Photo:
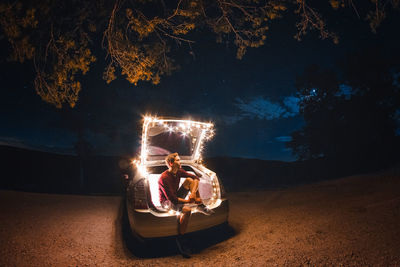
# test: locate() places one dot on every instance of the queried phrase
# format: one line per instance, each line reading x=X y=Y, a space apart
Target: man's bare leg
x=184 y=220
x=193 y=186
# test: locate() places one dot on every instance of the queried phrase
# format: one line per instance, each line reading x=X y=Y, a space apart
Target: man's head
x=173 y=161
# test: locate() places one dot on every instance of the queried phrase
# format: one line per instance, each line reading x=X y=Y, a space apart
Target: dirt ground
x=354 y=221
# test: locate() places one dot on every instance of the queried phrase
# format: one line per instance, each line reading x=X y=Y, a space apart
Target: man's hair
x=170 y=158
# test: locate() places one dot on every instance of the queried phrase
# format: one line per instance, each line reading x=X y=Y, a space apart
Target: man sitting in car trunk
x=175 y=198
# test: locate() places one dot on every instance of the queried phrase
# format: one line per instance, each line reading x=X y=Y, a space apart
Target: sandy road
x=351 y=222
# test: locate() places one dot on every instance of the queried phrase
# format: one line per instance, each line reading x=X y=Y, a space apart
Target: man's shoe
x=182 y=248
x=203 y=209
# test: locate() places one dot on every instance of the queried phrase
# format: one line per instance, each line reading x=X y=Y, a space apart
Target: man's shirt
x=168 y=184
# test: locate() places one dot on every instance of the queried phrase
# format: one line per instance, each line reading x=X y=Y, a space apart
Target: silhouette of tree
x=354 y=127
x=140 y=37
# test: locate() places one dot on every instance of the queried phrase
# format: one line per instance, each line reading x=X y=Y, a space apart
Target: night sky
x=251 y=101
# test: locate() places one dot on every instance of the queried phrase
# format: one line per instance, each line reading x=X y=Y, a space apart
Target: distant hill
x=16 y=143
x=242 y=174
x=36 y=171
x=239 y=174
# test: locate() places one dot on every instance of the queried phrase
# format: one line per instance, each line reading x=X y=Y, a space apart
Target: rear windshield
x=166 y=143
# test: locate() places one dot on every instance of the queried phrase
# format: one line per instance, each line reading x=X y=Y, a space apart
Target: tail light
x=139 y=195
x=222 y=188
x=216 y=186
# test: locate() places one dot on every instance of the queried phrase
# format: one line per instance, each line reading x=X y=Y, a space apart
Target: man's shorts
x=182 y=192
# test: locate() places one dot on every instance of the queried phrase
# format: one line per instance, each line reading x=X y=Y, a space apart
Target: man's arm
x=186 y=174
x=182 y=200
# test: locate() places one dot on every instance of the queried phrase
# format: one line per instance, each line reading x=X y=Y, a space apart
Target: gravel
x=353 y=221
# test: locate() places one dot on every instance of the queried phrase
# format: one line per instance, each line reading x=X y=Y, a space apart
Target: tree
x=356 y=125
x=140 y=37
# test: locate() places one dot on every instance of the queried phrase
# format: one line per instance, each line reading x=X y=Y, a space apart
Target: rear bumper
x=147 y=225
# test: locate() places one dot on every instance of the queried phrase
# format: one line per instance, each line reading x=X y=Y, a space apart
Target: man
x=175 y=198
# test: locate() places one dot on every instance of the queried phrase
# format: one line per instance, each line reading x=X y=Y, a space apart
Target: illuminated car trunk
x=161 y=137
x=206 y=188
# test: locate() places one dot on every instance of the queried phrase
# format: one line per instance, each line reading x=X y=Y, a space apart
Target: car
x=161 y=137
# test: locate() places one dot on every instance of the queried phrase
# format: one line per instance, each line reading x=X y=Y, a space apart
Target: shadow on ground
x=164 y=247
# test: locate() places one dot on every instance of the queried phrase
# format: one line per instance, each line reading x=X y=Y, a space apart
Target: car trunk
x=205 y=185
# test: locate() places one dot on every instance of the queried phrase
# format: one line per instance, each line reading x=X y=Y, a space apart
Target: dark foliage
x=357 y=127
x=141 y=37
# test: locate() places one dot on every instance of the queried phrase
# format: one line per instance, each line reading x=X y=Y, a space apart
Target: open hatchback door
x=162 y=137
